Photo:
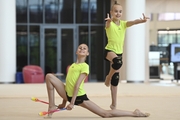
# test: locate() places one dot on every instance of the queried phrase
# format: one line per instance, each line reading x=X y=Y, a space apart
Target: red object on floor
x=86 y=80
x=33 y=74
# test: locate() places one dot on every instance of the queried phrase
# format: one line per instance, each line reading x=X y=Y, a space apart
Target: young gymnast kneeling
x=74 y=92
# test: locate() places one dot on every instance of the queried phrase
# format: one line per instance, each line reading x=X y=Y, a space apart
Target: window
x=35 y=11
x=82 y=9
x=34 y=38
x=21 y=11
x=178 y=36
x=51 y=11
x=66 y=13
x=21 y=40
x=168 y=16
x=165 y=37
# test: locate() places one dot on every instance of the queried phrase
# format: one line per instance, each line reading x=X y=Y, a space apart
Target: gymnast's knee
x=48 y=76
x=115 y=79
x=117 y=63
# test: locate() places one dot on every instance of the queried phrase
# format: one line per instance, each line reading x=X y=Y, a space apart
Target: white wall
x=161 y=6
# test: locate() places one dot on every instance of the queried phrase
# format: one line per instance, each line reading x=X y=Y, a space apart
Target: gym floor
x=160 y=99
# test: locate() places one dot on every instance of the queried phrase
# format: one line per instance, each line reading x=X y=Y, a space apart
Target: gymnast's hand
x=108 y=19
x=70 y=106
x=144 y=19
x=61 y=106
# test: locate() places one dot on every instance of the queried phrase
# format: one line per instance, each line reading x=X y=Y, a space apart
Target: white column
x=7 y=41
x=135 y=42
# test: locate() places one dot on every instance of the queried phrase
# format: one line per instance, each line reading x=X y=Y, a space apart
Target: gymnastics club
x=37 y=100
x=52 y=111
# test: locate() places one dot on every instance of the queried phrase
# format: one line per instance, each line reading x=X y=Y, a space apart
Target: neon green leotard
x=73 y=74
x=115 y=35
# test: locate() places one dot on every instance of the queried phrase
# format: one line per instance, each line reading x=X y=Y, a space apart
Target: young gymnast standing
x=115 y=31
x=73 y=91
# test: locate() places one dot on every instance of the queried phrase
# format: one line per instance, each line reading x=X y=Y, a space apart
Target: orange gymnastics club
x=37 y=100
x=52 y=111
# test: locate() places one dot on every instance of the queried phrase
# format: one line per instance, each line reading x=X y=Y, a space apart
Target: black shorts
x=79 y=99
x=106 y=52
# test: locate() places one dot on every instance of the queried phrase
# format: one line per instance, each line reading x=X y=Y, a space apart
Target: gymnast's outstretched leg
x=91 y=106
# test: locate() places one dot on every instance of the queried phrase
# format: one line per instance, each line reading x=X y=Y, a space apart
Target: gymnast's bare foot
x=113 y=107
x=138 y=113
x=107 y=81
x=50 y=109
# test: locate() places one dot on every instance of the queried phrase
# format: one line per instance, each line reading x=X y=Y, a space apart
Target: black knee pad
x=115 y=79
x=117 y=63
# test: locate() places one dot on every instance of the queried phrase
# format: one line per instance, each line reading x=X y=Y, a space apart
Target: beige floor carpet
x=161 y=100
